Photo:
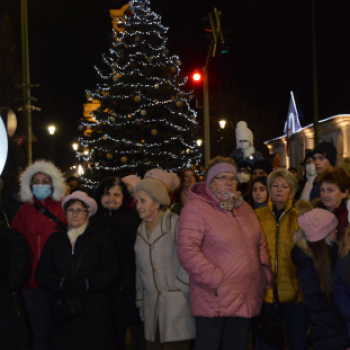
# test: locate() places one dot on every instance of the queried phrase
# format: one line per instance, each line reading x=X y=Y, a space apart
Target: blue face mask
x=42 y=191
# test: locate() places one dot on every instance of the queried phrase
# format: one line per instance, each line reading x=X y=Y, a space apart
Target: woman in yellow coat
x=279 y=221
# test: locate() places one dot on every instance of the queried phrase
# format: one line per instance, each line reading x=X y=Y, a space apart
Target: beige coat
x=162 y=284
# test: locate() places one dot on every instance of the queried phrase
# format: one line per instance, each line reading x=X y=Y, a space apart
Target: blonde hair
x=289 y=177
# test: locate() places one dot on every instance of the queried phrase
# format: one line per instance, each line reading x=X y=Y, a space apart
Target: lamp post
x=222 y=124
x=52 y=129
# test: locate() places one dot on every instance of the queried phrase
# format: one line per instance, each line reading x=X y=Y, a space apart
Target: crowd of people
x=183 y=263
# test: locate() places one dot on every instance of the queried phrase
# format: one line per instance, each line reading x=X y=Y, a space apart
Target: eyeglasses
x=78 y=211
x=225 y=178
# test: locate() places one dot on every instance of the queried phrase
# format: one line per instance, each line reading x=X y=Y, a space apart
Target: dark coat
x=14 y=273
x=342 y=287
x=93 y=327
x=122 y=224
x=316 y=190
x=328 y=326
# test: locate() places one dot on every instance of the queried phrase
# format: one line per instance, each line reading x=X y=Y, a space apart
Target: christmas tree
x=143 y=118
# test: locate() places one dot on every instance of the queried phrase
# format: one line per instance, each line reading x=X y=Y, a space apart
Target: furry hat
x=328 y=150
x=316 y=223
x=170 y=180
x=48 y=168
x=155 y=190
x=83 y=197
x=243 y=133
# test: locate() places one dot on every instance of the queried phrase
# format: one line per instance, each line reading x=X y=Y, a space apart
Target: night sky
x=271 y=54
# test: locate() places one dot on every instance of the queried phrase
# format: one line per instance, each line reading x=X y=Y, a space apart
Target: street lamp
x=52 y=129
x=199 y=142
x=222 y=124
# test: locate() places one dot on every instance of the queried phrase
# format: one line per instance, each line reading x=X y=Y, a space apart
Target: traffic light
x=197 y=77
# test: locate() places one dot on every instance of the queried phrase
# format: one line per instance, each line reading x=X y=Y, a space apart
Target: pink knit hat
x=131 y=180
x=82 y=196
x=317 y=224
x=170 y=180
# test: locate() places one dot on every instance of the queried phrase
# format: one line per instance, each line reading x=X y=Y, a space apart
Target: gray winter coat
x=162 y=284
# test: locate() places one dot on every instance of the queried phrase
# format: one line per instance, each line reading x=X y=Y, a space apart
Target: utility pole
x=315 y=83
x=27 y=98
x=217 y=37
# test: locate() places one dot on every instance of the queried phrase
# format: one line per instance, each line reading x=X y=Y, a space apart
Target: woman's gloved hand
x=75 y=286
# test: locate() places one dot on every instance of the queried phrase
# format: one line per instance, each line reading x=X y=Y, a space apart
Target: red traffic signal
x=197 y=77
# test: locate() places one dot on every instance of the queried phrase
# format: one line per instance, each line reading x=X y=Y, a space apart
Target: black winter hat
x=307 y=156
x=245 y=164
x=264 y=165
x=328 y=150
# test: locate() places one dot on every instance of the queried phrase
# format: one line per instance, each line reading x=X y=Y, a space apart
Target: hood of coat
x=48 y=168
x=299 y=239
x=201 y=191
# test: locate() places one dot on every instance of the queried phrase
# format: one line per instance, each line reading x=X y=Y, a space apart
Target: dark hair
x=323 y=267
x=263 y=180
x=106 y=184
x=337 y=176
x=71 y=202
x=293 y=169
x=73 y=178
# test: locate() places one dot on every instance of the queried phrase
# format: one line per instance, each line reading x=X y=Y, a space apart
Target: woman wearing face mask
x=244 y=176
x=258 y=196
x=223 y=249
x=305 y=186
x=335 y=186
x=42 y=187
x=315 y=256
x=114 y=213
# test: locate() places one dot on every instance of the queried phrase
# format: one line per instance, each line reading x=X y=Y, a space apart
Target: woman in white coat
x=162 y=290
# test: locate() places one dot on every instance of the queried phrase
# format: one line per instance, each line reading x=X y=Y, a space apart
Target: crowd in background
x=183 y=262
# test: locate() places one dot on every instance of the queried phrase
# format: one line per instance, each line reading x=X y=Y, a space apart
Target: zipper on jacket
x=276 y=261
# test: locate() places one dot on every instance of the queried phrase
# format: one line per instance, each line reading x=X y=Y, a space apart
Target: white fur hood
x=41 y=166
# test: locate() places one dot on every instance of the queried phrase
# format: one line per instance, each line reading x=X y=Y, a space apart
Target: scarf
x=228 y=200
x=305 y=195
x=74 y=233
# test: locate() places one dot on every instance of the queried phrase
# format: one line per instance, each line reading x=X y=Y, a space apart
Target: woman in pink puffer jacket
x=223 y=249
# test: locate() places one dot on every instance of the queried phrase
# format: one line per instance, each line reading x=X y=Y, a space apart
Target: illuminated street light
x=75 y=146
x=222 y=123
x=199 y=142
x=51 y=129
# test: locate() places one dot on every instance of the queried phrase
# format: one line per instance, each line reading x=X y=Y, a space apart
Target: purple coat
x=225 y=255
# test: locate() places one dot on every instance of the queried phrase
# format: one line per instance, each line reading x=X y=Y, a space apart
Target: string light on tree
x=143 y=113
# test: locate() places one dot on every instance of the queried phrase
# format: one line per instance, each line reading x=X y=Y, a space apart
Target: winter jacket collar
x=201 y=191
x=288 y=206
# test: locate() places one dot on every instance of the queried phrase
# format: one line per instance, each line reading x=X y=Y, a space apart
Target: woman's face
x=332 y=196
x=189 y=178
x=224 y=182
x=259 y=193
x=146 y=206
x=76 y=215
x=280 y=192
x=41 y=179
x=113 y=199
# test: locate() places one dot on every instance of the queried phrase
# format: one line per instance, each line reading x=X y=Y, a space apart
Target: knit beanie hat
x=317 y=224
x=307 y=156
x=264 y=165
x=328 y=150
x=246 y=164
x=155 y=190
x=243 y=133
x=83 y=197
x=131 y=180
x=170 y=180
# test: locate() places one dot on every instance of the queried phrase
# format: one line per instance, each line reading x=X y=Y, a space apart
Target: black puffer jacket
x=93 y=327
x=14 y=273
x=123 y=224
x=328 y=326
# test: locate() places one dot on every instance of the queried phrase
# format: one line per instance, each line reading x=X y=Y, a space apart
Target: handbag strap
x=41 y=209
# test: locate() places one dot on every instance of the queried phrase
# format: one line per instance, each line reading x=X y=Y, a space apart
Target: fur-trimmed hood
x=299 y=239
x=48 y=168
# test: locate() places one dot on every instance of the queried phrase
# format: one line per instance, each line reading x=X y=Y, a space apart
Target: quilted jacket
x=225 y=255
